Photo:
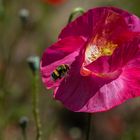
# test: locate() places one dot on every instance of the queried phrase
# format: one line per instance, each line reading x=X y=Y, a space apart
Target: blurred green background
x=21 y=37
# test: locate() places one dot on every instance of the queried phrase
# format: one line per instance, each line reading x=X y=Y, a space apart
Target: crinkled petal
x=84 y=25
x=126 y=52
x=62 y=52
x=132 y=20
x=76 y=90
x=101 y=65
x=92 y=94
x=118 y=91
x=114 y=30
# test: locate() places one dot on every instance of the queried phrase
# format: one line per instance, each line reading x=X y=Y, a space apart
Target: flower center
x=98 y=47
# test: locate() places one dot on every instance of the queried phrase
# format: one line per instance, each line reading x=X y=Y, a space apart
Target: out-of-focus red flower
x=95 y=65
x=54 y=2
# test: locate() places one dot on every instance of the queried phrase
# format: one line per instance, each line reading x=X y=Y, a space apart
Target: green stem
x=1 y=9
x=75 y=11
x=35 y=107
x=24 y=134
x=88 y=126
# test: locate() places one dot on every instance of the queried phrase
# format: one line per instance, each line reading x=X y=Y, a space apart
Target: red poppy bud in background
x=54 y=2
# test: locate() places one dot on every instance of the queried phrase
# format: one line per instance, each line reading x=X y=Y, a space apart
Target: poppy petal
x=131 y=20
x=83 y=25
x=128 y=51
x=76 y=90
x=118 y=91
x=62 y=52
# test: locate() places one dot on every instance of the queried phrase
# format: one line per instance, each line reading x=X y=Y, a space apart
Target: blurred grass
x=17 y=42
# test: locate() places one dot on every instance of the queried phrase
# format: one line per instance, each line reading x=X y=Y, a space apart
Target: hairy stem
x=35 y=107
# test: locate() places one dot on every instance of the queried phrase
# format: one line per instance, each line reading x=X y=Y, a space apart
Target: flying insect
x=60 y=72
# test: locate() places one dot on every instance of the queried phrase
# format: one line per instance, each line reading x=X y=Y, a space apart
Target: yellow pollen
x=97 y=48
x=108 y=49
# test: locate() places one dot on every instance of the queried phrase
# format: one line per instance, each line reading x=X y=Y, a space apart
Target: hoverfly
x=60 y=72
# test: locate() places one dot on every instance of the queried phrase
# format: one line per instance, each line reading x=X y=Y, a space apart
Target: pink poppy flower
x=102 y=50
